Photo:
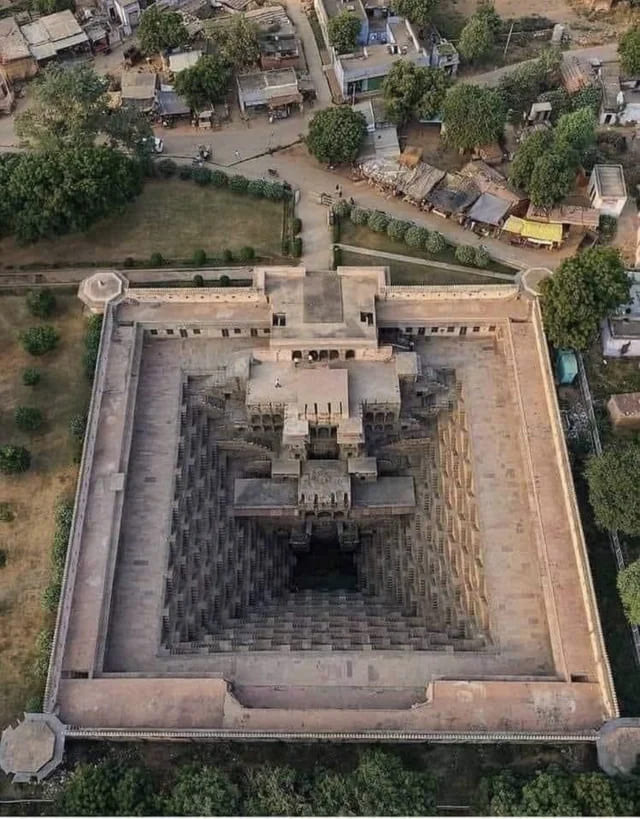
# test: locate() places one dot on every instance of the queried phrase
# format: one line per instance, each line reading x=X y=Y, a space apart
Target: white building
x=607 y=189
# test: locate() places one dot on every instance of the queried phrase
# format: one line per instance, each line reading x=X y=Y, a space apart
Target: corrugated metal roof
x=489 y=209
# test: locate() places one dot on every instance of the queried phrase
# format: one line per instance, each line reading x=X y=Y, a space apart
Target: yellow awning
x=537 y=231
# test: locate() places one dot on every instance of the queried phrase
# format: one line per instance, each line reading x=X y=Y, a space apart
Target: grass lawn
x=62 y=392
x=171 y=217
x=361 y=236
x=404 y=273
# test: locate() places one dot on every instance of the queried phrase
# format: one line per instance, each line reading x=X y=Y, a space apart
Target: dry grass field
x=62 y=392
x=170 y=217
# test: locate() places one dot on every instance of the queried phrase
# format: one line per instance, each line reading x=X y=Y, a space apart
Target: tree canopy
x=336 y=134
x=52 y=6
x=107 y=789
x=202 y=791
x=160 y=30
x=629 y=590
x=274 y=790
x=473 y=115
x=476 y=39
x=552 y=178
x=14 y=459
x=413 y=91
x=522 y=86
x=205 y=83
x=344 y=30
x=582 y=291
x=237 y=42
x=629 y=51
x=416 y=11
x=534 y=146
x=576 y=130
x=58 y=192
x=614 y=479
x=69 y=108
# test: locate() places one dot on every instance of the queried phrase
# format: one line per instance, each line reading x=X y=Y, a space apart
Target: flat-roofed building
x=16 y=59
x=608 y=190
x=56 y=36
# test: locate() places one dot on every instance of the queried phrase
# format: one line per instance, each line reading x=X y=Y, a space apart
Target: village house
x=607 y=189
x=16 y=60
x=55 y=36
x=277 y=91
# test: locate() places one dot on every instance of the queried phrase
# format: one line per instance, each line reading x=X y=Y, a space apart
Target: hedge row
x=258 y=188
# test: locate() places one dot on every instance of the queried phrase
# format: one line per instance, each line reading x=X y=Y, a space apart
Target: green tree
x=473 y=115
x=466 y=255
x=576 y=131
x=77 y=426
x=629 y=51
x=614 y=478
x=237 y=42
x=522 y=86
x=39 y=340
x=413 y=91
x=205 y=83
x=344 y=30
x=161 y=30
x=67 y=190
x=487 y=11
x=629 y=590
x=397 y=229
x=41 y=303
x=28 y=419
x=549 y=794
x=107 y=789
x=552 y=178
x=476 y=39
x=14 y=459
x=52 y=6
x=531 y=149
x=382 y=786
x=583 y=291
x=417 y=11
x=481 y=257
x=360 y=216
x=30 y=377
x=435 y=243
x=336 y=134
x=378 y=221
x=499 y=795
x=202 y=791
x=416 y=236
x=92 y=344
x=601 y=795
x=70 y=108
x=274 y=790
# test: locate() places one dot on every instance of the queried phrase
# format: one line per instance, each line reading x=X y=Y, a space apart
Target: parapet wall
x=447 y=293
x=196 y=294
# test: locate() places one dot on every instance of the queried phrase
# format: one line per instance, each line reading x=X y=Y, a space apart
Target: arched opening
x=324 y=355
x=350 y=354
x=333 y=354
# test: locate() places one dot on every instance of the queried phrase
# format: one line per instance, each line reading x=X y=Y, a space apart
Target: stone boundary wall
x=204 y=734
x=447 y=292
x=133 y=369
x=195 y=294
x=579 y=544
x=77 y=526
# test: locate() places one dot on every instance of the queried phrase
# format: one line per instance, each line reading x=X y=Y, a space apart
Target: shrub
x=156 y=260
x=435 y=243
x=337 y=257
x=77 y=426
x=238 y=184
x=14 y=459
x=39 y=340
x=6 y=512
x=33 y=704
x=41 y=303
x=608 y=227
x=201 y=176
x=166 y=168
x=397 y=229
x=227 y=255
x=198 y=281
x=129 y=262
x=256 y=187
x=481 y=257
x=336 y=230
x=246 y=253
x=28 y=419
x=202 y=791
x=360 y=216
x=297 y=226
x=185 y=172
x=219 y=179
x=3 y=558
x=342 y=208
x=274 y=191
x=199 y=258
x=31 y=377
x=225 y=281
x=297 y=247
x=378 y=221
x=416 y=236
x=466 y=255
